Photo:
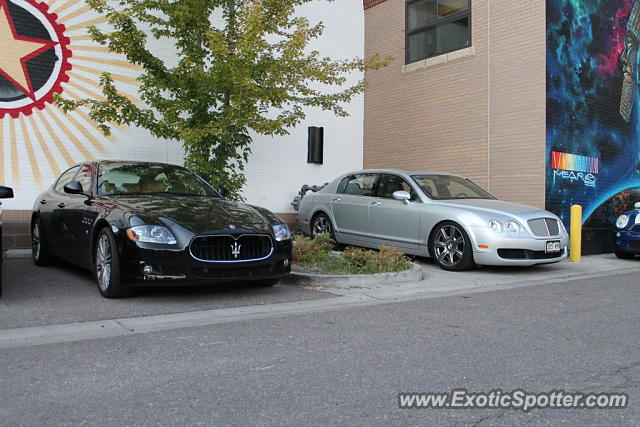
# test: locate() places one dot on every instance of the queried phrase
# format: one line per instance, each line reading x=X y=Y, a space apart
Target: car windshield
x=450 y=187
x=150 y=178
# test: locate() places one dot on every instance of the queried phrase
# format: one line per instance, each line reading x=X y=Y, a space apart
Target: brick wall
x=479 y=112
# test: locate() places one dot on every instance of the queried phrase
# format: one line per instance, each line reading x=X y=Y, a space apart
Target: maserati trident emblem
x=235 y=249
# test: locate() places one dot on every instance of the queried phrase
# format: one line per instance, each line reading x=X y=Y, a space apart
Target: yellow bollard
x=576 y=233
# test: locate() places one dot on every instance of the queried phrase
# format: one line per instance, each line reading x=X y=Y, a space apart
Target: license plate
x=553 y=246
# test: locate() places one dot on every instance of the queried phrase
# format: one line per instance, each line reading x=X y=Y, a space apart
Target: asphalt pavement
x=346 y=366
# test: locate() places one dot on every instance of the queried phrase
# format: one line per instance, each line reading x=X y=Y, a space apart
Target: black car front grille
x=526 y=254
x=231 y=248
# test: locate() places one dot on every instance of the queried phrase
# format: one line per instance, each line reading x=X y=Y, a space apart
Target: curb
x=347 y=281
x=17 y=254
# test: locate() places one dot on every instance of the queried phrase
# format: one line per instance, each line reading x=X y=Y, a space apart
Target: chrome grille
x=231 y=248
x=553 y=227
x=544 y=227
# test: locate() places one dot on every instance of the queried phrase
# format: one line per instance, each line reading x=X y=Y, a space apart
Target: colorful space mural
x=593 y=114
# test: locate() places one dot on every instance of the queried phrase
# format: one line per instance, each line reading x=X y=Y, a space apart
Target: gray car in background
x=443 y=216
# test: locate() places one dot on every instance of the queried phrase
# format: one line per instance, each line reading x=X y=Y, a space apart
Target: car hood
x=198 y=214
x=498 y=207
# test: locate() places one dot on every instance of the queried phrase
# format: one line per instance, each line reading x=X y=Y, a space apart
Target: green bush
x=311 y=251
x=387 y=259
x=315 y=254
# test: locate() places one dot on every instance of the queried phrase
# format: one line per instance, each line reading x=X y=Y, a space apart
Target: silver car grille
x=231 y=248
x=544 y=227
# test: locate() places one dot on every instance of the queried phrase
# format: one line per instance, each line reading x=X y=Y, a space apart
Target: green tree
x=241 y=66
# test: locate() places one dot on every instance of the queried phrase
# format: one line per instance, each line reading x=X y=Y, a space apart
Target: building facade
x=524 y=97
x=46 y=51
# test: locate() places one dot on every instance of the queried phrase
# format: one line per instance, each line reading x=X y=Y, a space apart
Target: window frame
x=436 y=23
x=414 y=193
x=348 y=178
x=55 y=186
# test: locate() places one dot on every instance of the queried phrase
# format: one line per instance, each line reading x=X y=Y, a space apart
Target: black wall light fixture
x=316 y=145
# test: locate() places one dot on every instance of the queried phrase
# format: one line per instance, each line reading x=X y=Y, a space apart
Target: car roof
x=403 y=171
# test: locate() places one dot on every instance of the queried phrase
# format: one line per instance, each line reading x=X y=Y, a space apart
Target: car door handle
x=337 y=199
x=61 y=205
x=43 y=202
x=376 y=203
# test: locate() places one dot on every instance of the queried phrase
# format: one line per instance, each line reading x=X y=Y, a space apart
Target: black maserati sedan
x=137 y=223
x=5 y=193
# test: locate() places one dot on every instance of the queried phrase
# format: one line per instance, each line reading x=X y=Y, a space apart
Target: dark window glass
x=449 y=7
x=85 y=177
x=343 y=185
x=419 y=12
x=360 y=185
x=450 y=187
x=422 y=45
x=65 y=178
x=151 y=178
x=453 y=36
x=389 y=184
x=435 y=27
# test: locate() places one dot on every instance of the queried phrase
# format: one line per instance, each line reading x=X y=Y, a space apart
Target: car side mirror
x=402 y=195
x=74 y=187
x=6 y=192
x=224 y=192
x=637 y=205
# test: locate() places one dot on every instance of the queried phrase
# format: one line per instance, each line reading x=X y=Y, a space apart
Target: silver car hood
x=497 y=207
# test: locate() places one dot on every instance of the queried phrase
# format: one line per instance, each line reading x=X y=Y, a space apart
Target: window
x=389 y=184
x=435 y=27
x=360 y=185
x=85 y=177
x=450 y=187
x=65 y=178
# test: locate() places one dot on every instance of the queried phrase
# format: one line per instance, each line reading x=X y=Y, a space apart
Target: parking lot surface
x=63 y=293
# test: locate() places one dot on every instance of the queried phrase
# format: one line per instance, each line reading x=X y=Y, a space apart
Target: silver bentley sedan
x=443 y=216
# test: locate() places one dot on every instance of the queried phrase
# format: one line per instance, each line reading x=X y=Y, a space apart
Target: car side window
x=65 y=178
x=360 y=185
x=343 y=185
x=85 y=177
x=389 y=184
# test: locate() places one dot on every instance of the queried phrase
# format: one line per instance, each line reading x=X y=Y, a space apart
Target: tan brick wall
x=482 y=116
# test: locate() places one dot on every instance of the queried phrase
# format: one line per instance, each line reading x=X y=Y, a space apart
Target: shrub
x=311 y=251
x=387 y=259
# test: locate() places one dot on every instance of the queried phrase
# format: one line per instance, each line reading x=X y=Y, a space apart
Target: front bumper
x=515 y=251
x=176 y=267
x=627 y=241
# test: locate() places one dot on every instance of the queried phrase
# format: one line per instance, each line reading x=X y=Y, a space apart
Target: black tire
x=622 y=254
x=265 y=283
x=321 y=224
x=106 y=264
x=450 y=247
x=39 y=246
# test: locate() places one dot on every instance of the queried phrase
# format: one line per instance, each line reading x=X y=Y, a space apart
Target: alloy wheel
x=449 y=245
x=321 y=225
x=103 y=262
x=36 y=242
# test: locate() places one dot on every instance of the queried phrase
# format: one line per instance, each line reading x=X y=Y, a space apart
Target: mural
x=593 y=114
x=46 y=50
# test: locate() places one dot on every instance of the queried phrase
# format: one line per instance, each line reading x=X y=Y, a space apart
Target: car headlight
x=513 y=227
x=281 y=232
x=637 y=219
x=151 y=234
x=496 y=226
x=623 y=221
